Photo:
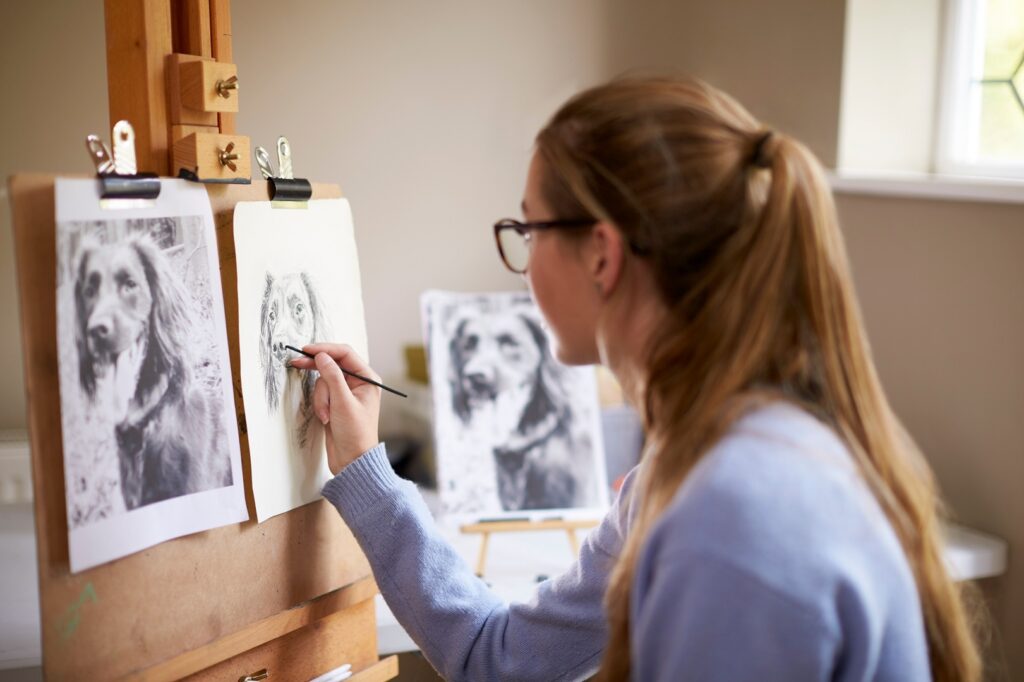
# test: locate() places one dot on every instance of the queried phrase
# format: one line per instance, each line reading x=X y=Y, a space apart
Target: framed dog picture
x=150 y=440
x=298 y=282
x=516 y=431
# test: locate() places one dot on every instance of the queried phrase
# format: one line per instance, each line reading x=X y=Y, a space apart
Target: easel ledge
x=485 y=528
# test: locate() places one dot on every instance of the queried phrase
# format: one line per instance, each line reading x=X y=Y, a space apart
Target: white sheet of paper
x=298 y=282
x=150 y=440
x=517 y=433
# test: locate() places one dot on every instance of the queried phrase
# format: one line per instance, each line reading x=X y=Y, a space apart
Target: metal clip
x=120 y=186
x=253 y=677
x=263 y=161
x=99 y=153
x=225 y=87
x=124 y=148
x=286 y=191
x=284 y=158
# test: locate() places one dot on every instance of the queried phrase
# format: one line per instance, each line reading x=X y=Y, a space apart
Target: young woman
x=781 y=525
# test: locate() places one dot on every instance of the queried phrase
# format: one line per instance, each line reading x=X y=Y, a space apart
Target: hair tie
x=758 y=157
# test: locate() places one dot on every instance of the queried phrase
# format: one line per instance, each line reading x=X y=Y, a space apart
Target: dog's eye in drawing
x=92 y=285
x=272 y=316
x=128 y=285
x=470 y=342
x=510 y=346
x=298 y=311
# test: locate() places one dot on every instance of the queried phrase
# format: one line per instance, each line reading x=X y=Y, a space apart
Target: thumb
x=332 y=374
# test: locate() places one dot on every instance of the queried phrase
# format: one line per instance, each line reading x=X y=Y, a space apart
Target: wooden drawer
x=300 y=643
x=348 y=636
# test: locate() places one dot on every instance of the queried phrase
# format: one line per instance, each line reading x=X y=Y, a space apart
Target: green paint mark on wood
x=68 y=623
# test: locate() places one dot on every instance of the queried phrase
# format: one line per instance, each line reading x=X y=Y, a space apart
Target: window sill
x=927 y=186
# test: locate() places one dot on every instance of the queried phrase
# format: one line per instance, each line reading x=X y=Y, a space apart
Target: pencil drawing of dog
x=500 y=363
x=291 y=314
x=133 y=323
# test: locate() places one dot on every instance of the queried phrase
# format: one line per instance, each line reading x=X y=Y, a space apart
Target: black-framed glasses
x=513 y=238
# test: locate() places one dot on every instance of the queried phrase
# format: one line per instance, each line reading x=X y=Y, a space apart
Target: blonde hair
x=739 y=228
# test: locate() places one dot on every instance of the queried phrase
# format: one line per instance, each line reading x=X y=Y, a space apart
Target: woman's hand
x=348 y=407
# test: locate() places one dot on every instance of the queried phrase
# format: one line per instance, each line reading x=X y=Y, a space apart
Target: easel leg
x=573 y=542
x=481 y=560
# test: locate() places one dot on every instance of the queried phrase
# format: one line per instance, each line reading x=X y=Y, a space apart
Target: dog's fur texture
x=291 y=314
x=502 y=361
x=133 y=323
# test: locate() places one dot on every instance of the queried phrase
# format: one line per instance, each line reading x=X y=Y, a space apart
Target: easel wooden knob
x=485 y=528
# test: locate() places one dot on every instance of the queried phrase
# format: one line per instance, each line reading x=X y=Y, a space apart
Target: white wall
x=54 y=82
x=424 y=113
x=891 y=59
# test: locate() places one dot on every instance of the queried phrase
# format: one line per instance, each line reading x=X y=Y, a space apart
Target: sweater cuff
x=362 y=483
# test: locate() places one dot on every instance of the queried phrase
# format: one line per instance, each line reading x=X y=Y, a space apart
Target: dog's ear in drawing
x=169 y=351
x=271 y=382
x=86 y=362
x=319 y=333
x=548 y=395
x=456 y=380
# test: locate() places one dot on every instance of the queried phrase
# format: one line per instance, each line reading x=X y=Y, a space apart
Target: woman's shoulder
x=780 y=498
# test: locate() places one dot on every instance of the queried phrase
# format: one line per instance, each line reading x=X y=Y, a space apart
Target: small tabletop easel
x=520 y=525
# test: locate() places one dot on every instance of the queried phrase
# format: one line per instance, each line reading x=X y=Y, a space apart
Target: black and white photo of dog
x=135 y=333
x=508 y=399
x=291 y=314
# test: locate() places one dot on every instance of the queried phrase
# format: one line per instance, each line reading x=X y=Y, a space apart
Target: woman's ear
x=605 y=257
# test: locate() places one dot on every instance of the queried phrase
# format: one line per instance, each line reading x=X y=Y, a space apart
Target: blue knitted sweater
x=773 y=562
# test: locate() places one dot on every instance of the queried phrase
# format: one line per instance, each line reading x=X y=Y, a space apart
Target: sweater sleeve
x=466 y=631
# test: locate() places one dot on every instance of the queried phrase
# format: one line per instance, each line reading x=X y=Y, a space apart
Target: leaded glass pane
x=1004 y=37
x=997 y=93
x=1001 y=125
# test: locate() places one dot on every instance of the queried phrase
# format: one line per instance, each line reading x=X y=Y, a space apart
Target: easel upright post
x=138 y=42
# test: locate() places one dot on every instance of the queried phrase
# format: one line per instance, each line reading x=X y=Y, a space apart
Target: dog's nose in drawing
x=280 y=352
x=480 y=384
x=99 y=331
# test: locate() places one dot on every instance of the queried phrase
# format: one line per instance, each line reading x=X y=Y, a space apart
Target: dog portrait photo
x=516 y=430
x=145 y=387
x=298 y=283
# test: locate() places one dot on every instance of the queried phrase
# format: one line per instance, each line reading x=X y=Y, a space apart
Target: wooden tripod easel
x=485 y=528
x=292 y=597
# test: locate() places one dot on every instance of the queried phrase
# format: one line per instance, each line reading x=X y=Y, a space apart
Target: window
x=982 y=90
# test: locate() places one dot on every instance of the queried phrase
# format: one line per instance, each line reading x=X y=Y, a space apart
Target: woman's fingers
x=344 y=356
x=321 y=400
x=335 y=380
x=302 y=362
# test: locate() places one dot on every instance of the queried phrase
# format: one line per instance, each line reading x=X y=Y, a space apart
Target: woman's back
x=774 y=556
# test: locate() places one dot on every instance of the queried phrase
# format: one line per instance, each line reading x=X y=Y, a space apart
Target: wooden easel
x=287 y=599
x=485 y=528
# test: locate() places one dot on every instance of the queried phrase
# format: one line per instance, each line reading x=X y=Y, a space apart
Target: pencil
x=351 y=374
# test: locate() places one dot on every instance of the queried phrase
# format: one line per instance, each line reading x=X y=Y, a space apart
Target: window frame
x=964 y=31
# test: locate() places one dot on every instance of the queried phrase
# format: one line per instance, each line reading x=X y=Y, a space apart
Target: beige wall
x=941 y=286
x=424 y=113
x=782 y=59
x=54 y=83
